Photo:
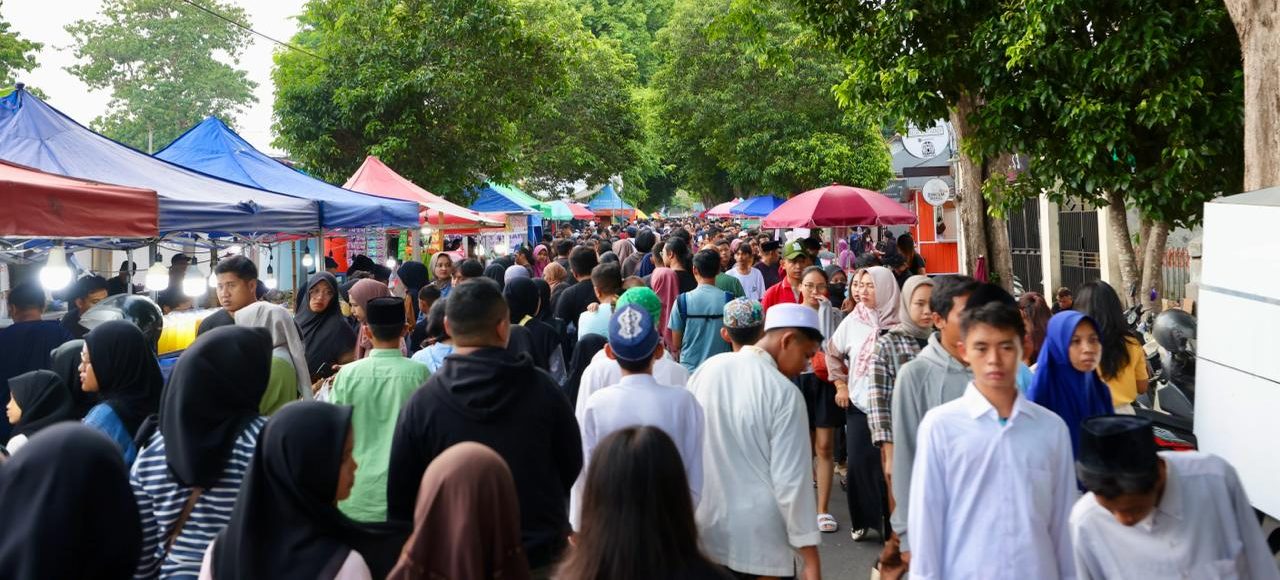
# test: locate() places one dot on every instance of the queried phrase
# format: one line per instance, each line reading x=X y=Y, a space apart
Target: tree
x=164 y=63
x=1257 y=25
x=743 y=125
x=633 y=23
x=1124 y=103
x=16 y=54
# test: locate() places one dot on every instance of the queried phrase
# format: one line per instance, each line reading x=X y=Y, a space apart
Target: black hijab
x=66 y=362
x=522 y=301
x=285 y=523
x=495 y=271
x=44 y=400
x=213 y=394
x=129 y=378
x=544 y=299
x=326 y=335
x=522 y=298
x=67 y=510
x=414 y=275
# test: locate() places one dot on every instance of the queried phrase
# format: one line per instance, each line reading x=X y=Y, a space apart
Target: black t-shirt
x=574 y=301
x=916 y=265
x=687 y=282
x=769 y=273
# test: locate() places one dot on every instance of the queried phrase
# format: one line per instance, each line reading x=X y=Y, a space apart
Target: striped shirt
x=161 y=499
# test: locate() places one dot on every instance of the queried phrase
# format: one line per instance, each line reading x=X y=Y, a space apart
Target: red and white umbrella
x=839 y=206
x=722 y=210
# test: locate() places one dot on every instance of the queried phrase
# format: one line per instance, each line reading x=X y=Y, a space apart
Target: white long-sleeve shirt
x=1202 y=528
x=758 y=504
x=604 y=371
x=991 y=501
x=635 y=401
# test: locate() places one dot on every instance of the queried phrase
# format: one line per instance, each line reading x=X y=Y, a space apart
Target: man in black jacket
x=485 y=394
x=575 y=299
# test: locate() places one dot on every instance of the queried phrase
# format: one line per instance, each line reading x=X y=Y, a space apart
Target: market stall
x=608 y=203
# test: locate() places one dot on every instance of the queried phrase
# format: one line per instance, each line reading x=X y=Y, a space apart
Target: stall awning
x=608 y=202
x=44 y=205
x=375 y=178
x=213 y=148
x=494 y=197
x=36 y=135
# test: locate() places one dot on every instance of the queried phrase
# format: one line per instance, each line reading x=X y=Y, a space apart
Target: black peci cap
x=1117 y=445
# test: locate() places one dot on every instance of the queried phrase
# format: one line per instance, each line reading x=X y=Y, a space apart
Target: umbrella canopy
x=39 y=204
x=213 y=148
x=757 y=206
x=722 y=210
x=581 y=211
x=839 y=206
x=495 y=197
x=375 y=178
x=557 y=210
x=641 y=215
x=36 y=135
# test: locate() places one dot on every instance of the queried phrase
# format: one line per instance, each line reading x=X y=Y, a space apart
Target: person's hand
x=594 y=306
x=848 y=305
x=842 y=394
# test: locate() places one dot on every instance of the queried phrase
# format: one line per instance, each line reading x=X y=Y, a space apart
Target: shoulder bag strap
x=182 y=519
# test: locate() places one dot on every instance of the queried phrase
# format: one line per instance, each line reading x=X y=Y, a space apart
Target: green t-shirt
x=282 y=385
x=730 y=284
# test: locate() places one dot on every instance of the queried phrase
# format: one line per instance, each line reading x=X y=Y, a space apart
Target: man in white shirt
x=638 y=400
x=1166 y=515
x=744 y=270
x=992 y=485
x=758 y=508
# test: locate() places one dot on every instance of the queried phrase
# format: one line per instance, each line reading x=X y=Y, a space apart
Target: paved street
x=841 y=557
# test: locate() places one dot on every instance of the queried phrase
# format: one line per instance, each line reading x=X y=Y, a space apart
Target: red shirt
x=780 y=293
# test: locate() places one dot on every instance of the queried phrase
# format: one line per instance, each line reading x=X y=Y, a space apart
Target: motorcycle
x=1170 y=398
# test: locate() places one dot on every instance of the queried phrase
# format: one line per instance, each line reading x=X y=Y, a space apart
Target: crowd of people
x=668 y=399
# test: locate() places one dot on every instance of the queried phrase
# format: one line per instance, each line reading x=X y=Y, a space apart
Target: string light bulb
x=55 y=275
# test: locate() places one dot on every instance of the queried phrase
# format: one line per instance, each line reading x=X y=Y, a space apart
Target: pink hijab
x=540 y=261
x=883 y=316
x=361 y=293
x=667 y=286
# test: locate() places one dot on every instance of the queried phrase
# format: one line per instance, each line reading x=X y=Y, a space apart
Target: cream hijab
x=284 y=333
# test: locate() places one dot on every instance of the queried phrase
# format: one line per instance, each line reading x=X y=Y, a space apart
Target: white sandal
x=827 y=523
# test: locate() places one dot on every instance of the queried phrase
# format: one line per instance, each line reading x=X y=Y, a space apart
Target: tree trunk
x=1144 y=232
x=1153 y=265
x=968 y=179
x=1258 y=26
x=1000 y=248
x=1130 y=267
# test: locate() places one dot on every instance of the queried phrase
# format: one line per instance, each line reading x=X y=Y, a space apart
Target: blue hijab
x=1059 y=387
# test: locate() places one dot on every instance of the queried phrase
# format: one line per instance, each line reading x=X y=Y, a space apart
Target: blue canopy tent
x=34 y=134
x=608 y=203
x=497 y=198
x=213 y=148
x=757 y=206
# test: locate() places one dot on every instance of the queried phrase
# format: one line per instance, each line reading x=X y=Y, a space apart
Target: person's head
x=637 y=515
x=554 y=273
x=606 y=279
x=706 y=266
x=382 y=273
x=564 y=248
x=361 y=293
x=906 y=245
x=743 y=323
x=524 y=256
x=385 y=323
x=127 y=268
x=89 y=291
x=812 y=246
x=469 y=269
x=916 y=299
x=634 y=340
x=1118 y=463
x=795 y=259
x=659 y=250
x=1085 y=347
x=745 y=256
x=173 y=300
x=676 y=255
x=237 y=283
x=791 y=337
x=645 y=241
x=436 y=331
x=427 y=296
x=1065 y=299
x=991 y=343
x=442 y=266
x=950 y=295
x=178 y=265
x=330 y=265
x=26 y=302
x=726 y=254
x=633 y=282
x=1036 y=315
x=582 y=260
x=813 y=286
x=476 y=315
x=322 y=294
x=1099 y=301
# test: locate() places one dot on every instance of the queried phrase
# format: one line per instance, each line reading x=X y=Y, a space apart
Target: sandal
x=827 y=523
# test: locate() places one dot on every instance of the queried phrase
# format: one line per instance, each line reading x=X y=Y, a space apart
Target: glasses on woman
x=812 y=287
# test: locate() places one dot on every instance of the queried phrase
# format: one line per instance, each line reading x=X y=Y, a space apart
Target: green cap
x=793 y=250
x=644 y=298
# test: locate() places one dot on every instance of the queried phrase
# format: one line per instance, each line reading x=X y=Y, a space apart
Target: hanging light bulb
x=307 y=261
x=55 y=275
x=270 y=280
x=391 y=263
x=157 y=277
x=479 y=250
x=500 y=249
x=193 y=283
x=213 y=279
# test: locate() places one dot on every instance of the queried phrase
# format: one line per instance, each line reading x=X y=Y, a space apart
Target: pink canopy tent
x=839 y=206
x=375 y=178
x=722 y=210
x=580 y=211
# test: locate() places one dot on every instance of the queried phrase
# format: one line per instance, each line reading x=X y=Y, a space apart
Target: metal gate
x=1024 y=244
x=1078 y=239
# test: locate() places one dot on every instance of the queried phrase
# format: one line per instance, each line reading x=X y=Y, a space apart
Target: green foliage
x=163 y=62
x=16 y=54
x=633 y=23
x=742 y=123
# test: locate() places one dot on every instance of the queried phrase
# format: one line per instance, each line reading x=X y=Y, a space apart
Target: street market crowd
x=665 y=399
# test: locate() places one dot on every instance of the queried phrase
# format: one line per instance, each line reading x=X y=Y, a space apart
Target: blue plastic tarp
x=34 y=134
x=492 y=200
x=757 y=206
x=607 y=199
x=212 y=147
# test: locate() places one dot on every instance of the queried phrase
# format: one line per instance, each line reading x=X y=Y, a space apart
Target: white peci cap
x=791 y=316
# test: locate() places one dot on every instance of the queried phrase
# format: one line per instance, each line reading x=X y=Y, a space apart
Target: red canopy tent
x=839 y=206
x=375 y=178
x=581 y=211
x=44 y=205
x=722 y=210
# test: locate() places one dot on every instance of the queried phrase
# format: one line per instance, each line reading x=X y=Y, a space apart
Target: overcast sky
x=43 y=21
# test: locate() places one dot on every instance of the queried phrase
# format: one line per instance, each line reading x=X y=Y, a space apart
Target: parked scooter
x=1170 y=398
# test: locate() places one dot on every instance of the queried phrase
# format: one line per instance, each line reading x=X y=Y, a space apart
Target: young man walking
x=698 y=315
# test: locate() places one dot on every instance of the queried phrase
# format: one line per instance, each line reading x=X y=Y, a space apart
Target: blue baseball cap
x=632 y=335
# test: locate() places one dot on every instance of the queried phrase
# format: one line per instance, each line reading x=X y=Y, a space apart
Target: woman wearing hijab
x=844 y=257
x=442 y=273
x=466 y=524
x=289 y=380
x=666 y=284
x=522 y=304
x=555 y=276
x=514 y=272
x=66 y=509
x=117 y=363
x=1066 y=380
x=850 y=352
x=65 y=360
x=37 y=400
x=623 y=249
x=541 y=257
x=497 y=272
x=361 y=294
x=414 y=276
x=327 y=337
x=286 y=523
x=190 y=471
x=544 y=300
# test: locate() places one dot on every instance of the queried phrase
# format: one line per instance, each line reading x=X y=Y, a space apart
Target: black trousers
x=868 y=498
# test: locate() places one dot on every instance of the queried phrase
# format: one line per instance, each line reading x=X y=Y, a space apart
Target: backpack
x=682 y=306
